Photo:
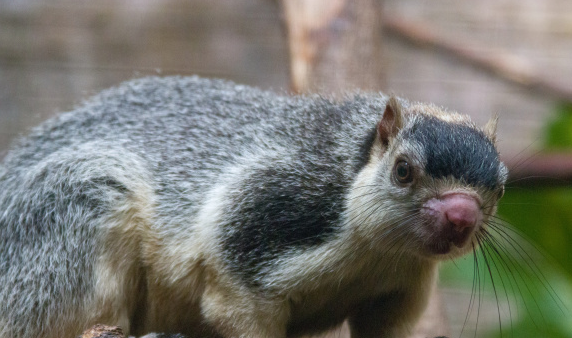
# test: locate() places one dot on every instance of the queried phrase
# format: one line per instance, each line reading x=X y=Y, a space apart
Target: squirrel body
x=201 y=207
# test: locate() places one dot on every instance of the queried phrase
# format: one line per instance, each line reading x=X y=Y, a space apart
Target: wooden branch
x=549 y=169
x=103 y=331
x=506 y=66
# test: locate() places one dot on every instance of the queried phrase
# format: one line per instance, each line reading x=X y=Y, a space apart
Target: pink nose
x=461 y=210
x=454 y=218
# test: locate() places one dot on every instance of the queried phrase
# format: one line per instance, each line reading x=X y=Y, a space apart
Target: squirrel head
x=436 y=177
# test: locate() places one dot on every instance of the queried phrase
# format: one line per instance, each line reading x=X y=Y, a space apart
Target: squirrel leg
x=388 y=317
x=239 y=313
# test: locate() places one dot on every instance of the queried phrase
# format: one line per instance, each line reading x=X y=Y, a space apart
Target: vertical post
x=335 y=47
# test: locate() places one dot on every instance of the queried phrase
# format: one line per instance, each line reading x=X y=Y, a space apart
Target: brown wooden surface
x=502 y=64
x=55 y=53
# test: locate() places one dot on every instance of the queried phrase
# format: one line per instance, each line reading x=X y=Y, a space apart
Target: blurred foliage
x=531 y=278
x=559 y=130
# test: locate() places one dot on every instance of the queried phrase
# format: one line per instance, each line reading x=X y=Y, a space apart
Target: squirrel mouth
x=443 y=244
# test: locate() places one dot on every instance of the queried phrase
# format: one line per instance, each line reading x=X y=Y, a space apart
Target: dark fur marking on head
x=456 y=150
x=281 y=208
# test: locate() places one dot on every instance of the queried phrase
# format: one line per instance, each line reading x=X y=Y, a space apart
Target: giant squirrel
x=205 y=208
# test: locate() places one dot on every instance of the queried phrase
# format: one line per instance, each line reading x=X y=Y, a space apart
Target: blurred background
x=512 y=58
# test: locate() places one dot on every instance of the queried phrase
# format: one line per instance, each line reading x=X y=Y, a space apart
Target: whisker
x=489 y=242
x=517 y=268
x=486 y=254
x=530 y=261
x=473 y=288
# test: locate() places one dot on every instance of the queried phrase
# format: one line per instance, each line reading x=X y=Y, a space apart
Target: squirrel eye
x=403 y=172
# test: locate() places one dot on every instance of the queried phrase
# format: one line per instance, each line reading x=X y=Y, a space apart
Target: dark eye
x=403 y=172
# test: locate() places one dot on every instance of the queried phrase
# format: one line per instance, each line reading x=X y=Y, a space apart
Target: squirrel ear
x=490 y=129
x=391 y=122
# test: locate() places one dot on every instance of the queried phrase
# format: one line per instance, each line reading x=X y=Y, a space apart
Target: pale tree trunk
x=335 y=45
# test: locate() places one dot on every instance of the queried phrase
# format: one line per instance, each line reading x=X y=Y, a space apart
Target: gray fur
x=292 y=159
